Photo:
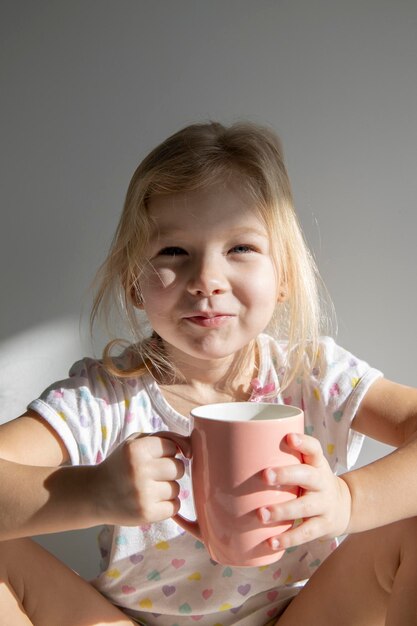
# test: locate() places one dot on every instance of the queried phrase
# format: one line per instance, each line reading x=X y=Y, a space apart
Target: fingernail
x=265 y=514
x=274 y=543
x=296 y=440
x=271 y=476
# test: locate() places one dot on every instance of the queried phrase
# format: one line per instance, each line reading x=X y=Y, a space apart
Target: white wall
x=88 y=87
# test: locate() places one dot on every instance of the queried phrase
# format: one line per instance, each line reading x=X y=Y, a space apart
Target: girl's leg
x=36 y=588
x=370 y=580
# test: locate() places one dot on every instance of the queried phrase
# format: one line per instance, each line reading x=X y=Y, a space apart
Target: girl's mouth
x=210 y=321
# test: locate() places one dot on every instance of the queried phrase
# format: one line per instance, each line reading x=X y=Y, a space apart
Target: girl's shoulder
x=90 y=376
x=327 y=353
x=322 y=367
x=93 y=411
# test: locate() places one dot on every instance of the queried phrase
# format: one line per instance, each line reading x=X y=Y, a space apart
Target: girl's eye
x=171 y=251
x=242 y=249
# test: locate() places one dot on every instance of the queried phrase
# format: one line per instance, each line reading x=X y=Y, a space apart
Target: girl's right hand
x=136 y=484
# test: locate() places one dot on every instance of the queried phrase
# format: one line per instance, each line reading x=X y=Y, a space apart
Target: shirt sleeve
x=332 y=394
x=86 y=410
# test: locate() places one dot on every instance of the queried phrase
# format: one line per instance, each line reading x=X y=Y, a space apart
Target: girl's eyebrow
x=174 y=231
x=166 y=230
x=249 y=230
x=165 y=233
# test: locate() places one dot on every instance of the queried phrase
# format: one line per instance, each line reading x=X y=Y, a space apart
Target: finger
x=159 y=501
x=166 y=490
x=303 y=507
x=153 y=445
x=165 y=509
x=162 y=446
x=307 y=531
x=181 y=442
x=301 y=475
x=308 y=446
x=167 y=469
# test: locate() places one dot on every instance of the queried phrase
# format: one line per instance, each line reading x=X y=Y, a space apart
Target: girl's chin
x=201 y=351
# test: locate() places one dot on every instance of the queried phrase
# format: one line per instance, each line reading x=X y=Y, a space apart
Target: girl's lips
x=214 y=321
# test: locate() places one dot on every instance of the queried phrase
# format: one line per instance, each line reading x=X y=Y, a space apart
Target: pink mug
x=231 y=444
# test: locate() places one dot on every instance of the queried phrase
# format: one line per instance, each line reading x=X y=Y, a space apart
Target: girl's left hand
x=324 y=505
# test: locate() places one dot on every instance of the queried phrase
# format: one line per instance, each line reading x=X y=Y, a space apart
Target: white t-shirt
x=159 y=574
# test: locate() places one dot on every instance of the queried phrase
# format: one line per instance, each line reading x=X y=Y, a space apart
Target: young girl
x=210 y=269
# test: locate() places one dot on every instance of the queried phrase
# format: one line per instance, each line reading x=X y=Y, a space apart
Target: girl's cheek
x=167 y=277
x=159 y=279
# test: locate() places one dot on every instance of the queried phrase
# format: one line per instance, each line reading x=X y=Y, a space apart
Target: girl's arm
x=36 y=497
x=386 y=490
x=134 y=485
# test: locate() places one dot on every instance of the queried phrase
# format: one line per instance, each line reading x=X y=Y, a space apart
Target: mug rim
x=296 y=411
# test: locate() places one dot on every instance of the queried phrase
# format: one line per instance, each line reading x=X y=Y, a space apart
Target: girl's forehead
x=218 y=204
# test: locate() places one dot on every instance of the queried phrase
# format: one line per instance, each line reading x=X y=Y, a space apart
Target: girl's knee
x=407 y=532
x=392 y=545
x=401 y=535
x=393 y=535
x=12 y=588
x=409 y=527
x=17 y=558
x=14 y=550
x=9 y=552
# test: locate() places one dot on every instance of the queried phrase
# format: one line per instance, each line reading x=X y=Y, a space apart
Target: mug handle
x=190 y=526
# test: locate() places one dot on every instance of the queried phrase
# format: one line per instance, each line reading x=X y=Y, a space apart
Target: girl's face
x=210 y=285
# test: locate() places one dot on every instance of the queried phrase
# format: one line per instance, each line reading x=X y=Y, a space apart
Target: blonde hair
x=195 y=157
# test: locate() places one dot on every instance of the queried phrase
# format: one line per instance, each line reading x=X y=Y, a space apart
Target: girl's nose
x=207 y=279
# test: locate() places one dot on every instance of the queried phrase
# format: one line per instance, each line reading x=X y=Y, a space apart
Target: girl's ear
x=283 y=291
x=282 y=295
x=136 y=297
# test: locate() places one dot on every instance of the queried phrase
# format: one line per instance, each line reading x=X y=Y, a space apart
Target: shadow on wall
x=34 y=359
